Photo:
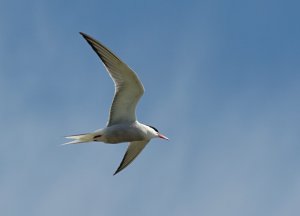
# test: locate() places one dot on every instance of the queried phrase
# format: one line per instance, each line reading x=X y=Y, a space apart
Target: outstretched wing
x=133 y=150
x=128 y=87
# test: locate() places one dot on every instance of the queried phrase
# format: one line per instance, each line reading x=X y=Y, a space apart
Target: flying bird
x=122 y=125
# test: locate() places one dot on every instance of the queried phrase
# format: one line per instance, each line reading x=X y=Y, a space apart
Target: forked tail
x=80 y=138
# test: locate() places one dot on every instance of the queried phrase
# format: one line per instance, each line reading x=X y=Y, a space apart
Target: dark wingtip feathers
x=84 y=35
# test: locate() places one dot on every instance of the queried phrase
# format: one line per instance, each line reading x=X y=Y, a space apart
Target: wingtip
x=120 y=168
x=116 y=172
x=82 y=34
x=87 y=37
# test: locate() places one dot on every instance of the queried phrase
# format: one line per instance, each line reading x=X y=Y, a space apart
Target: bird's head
x=155 y=133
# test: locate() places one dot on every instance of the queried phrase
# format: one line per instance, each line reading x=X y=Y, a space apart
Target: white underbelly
x=118 y=134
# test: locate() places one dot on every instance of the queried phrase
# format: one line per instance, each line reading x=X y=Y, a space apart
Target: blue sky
x=222 y=81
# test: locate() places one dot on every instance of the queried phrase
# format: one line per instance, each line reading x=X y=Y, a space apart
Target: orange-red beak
x=163 y=137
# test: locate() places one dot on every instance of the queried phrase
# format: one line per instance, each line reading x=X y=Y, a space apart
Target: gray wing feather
x=133 y=150
x=128 y=87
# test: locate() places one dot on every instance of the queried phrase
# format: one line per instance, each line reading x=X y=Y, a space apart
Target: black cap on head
x=153 y=128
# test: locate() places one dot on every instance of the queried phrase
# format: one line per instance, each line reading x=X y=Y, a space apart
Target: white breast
x=124 y=133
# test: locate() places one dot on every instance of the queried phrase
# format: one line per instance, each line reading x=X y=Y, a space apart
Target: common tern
x=122 y=125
